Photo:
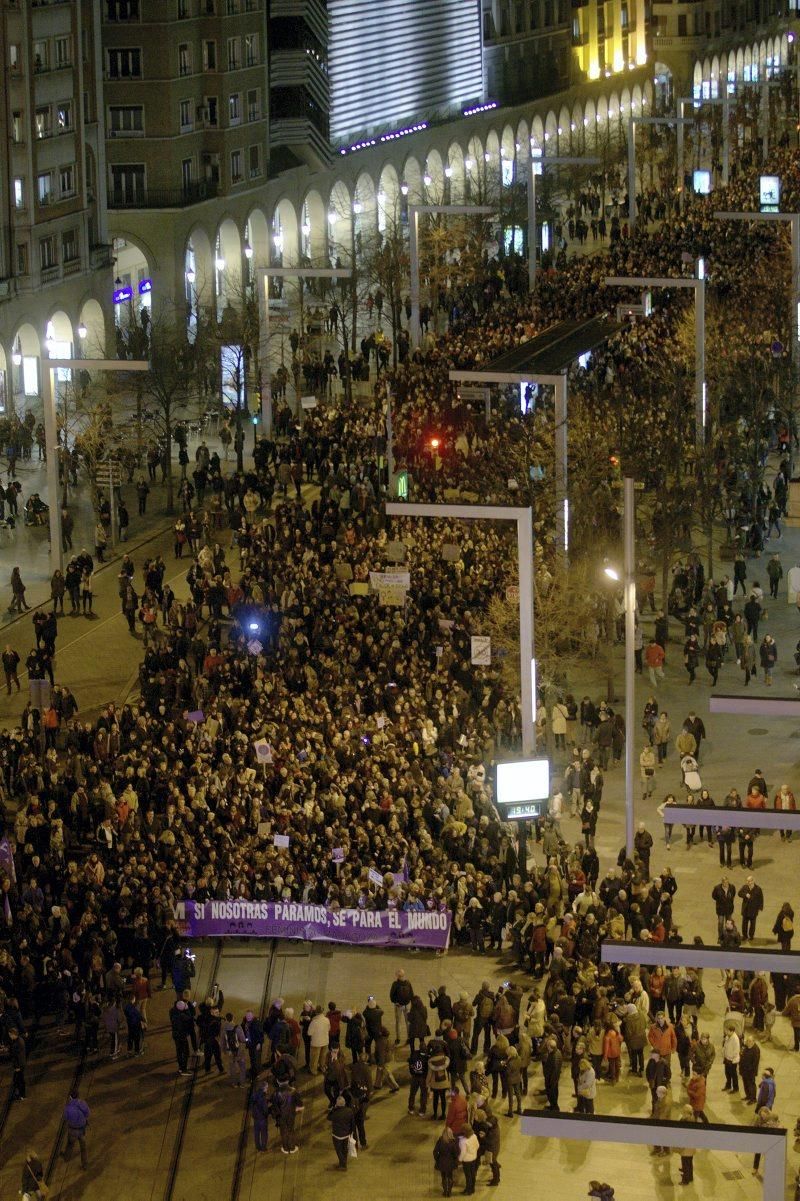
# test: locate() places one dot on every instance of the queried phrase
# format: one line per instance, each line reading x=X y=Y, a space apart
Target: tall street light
x=414 y=210
x=634 y=121
x=724 y=100
x=536 y=167
x=698 y=284
x=50 y=366
x=629 y=586
x=264 y=274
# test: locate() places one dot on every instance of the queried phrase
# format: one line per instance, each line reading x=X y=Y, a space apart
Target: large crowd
x=379 y=731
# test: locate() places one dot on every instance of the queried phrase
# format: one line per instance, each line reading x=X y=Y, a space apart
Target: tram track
x=238 y=1169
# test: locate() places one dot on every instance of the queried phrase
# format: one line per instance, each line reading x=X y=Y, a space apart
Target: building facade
x=157 y=152
x=55 y=256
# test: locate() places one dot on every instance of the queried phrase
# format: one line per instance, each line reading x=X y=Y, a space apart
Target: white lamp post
x=414 y=210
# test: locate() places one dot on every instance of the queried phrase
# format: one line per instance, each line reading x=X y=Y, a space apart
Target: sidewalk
x=29 y=549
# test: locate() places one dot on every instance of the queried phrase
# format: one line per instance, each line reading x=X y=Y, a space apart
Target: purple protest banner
x=313 y=923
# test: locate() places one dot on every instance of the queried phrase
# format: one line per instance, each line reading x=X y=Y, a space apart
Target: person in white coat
x=731 y=1054
x=319 y=1031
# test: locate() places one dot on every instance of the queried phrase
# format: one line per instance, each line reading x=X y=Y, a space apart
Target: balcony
x=163 y=198
x=101 y=256
x=72 y=266
x=8 y=288
x=49 y=275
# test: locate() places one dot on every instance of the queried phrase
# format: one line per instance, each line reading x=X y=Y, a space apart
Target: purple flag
x=7 y=858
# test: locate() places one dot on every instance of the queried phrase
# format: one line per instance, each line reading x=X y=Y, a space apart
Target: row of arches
x=749 y=64
x=79 y=334
x=336 y=221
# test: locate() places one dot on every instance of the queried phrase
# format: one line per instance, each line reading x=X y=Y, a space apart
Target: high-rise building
x=55 y=267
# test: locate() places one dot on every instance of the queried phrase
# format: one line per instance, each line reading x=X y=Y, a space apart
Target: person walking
x=438 y=1078
x=647 y=770
x=586 y=1087
x=286 y=1104
x=18 y=602
x=76 y=1118
x=18 y=1055
x=552 y=1061
x=783 y=927
x=724 y=897
x=11 y=667
x=792 y=1012
x=747 y=659
x=87 y=590
x=768 y=653
x=654 y=661
x=400 y=995
x=33 y=1182
x=691 y=656
x=446 y=1159
x=752 y=899
x=319 y=1032
x=767 y=1090
x=343 y=1129
x=748 y=1068
x=260 y=1111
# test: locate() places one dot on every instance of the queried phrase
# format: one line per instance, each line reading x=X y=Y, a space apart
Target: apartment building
x=55 y=263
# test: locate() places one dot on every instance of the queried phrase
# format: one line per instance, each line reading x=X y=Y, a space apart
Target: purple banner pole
x=314 y=923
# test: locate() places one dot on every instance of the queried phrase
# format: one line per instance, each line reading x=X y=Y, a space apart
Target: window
x=22 y=258
x=254 y=163
x=127 y=183
x=184 y=59
x=236 y=166
x=212 y=110
x=13 y=56
x=681 y=25
x=64 y=116
x=125 y=64
x=43 y=127
x=186 y=114
x=232 y=7
x=623 y=18
x=123 y=10
x=208 y=7
x=183 y=9
x=234 y=54
x=186 y=174
x=209 y=56
x=234 y=109
x=126 y=120
x=69 y=246
x=254 y=105
x=19 y=193
x=66 y=180
x=63 y=52
x=251 y=49
x=44 y=187
x=250 y=6
x=41 y=56
x=47 y=252
x=16 y=127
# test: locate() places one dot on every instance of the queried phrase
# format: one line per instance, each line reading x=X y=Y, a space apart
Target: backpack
x=416 y=1064
x=439 y=1075
x=485 y=1007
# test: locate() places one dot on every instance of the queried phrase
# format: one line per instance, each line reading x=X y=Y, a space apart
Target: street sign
x=512 y=594
x=472 y=392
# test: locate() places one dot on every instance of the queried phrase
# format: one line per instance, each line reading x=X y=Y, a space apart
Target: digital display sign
x=523 y=788
x=769 y=193
x=701 y=182
x=399 y=60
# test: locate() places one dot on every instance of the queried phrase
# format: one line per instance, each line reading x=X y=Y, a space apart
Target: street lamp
x=83 y=332
x=414 y=211
x=536 y=165
x=628 y=488
x=632 y=123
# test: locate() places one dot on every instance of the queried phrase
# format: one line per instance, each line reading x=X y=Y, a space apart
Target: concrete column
x=51 y=442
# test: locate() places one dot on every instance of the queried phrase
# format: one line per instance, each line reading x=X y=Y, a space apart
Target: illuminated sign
x=769 y=193
x=145 y=287
x=392 y=63
x=122 y=294
x=523 y=788
x=701 y=182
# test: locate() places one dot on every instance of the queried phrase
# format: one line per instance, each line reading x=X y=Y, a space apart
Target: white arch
x=92 y=320
x=314 y=229
x=412 y=179
x=340 y=223
x=27 y=373
x=455 y=165
x=389 y=200
x=434 y=177
x=257 y=237
x=285 y=248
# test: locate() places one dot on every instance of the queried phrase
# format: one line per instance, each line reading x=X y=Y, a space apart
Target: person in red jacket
x=696 y=1090
x=456 y=1118
x=661 y=1037
x=612 y=1049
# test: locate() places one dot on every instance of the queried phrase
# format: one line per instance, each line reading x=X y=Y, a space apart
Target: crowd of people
x=379 y=730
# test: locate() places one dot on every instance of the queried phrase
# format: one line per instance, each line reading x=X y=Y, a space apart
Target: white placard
x=375 y=877
x=263 y=751
x=481 y=650
x=308 y=402
x=282 y=841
